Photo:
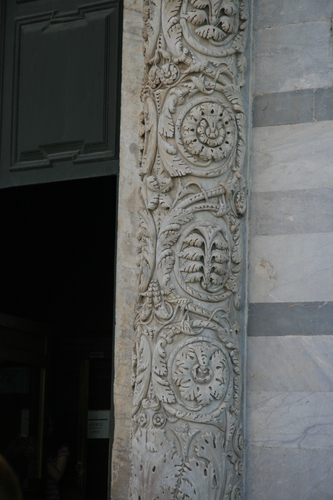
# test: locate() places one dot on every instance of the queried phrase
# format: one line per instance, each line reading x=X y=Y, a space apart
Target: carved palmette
x=187 y=375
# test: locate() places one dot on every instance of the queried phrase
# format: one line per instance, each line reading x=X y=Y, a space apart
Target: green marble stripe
x=285 y=108
x=290 y=318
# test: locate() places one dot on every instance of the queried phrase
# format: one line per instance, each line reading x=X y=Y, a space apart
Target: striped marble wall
x=290 y=324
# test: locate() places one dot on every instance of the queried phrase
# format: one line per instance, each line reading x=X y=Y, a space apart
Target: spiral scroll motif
x=206 y=134
x=208 y=131
x=187 y=363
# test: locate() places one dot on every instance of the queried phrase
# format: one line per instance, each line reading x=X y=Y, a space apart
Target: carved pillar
x=187 y=374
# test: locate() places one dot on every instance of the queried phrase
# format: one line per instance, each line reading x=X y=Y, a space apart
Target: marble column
x=187 y=372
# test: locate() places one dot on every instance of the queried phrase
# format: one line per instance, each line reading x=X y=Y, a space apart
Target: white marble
x=292 y=212
x=290 y=157
x=126 y=289
x=293 y=57
x=292 y=363
x=290 y=420
x=289 y=474
x=291 y=268
x=273 y=12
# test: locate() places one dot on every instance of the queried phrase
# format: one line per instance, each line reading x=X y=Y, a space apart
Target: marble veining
x=292 y=363
x=293 y=57
x=291 y=157
x=291 y=420
x=291 y=268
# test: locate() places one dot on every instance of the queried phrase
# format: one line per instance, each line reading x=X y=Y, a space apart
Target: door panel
x=60 y=85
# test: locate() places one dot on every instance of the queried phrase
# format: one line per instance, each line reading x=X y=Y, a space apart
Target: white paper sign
x=98 y=424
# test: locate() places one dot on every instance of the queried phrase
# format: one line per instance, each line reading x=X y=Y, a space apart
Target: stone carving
x=201 y=373
x=208 y=131
x=187 y=376
x=204 y=258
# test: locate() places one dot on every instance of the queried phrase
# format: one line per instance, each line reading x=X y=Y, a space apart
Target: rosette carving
x=201 y=373
x=199 y=135
x=187 y=374
x=206 y=133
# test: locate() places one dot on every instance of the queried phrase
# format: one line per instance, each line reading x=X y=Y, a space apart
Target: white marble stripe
x=292 y=363
x=289 y=474
x=293 y=57
x=290 y=157
x=269 y=13
x=290 y=212
x=290 y=420
x=291 y=268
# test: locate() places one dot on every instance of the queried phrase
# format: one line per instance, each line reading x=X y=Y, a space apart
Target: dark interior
x=58 y=253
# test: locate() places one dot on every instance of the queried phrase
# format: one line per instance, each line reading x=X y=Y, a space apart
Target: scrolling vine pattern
x=187 y=376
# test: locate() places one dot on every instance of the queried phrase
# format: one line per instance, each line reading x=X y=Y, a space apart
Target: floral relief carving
x=201 y=373
x=187 y=373
x=206 y=134
x=217 y=19
x=205 y=258
x=208 y=131
x=222 y=23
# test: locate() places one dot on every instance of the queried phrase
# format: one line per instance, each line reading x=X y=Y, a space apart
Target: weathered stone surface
x=132 y=73
x=291 y=268
x=283 y=108
x=292 y=157
x=269 y=13
x=290 y=348
x=302 y=420
x=290 y=318
x=299 y=106
x=187 y=374
x=324 y=104
x=290 y=364
x=289 y=474
x=293 y=57
x=292 y=212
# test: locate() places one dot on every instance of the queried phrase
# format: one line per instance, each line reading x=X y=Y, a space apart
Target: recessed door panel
x=60 y=86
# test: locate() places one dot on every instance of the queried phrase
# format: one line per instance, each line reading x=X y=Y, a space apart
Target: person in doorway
x=58 y=455
x=9 y=486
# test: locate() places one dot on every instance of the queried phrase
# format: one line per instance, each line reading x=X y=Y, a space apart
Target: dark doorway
x=57 y=253
x=57 y=256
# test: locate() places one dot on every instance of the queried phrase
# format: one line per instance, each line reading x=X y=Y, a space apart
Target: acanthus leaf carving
x=146 y=249
x=152 y=460
x=187 y=374
x=142 y=374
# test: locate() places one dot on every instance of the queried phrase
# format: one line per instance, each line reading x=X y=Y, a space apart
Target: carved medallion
x=201 y=374
x=206 y=134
